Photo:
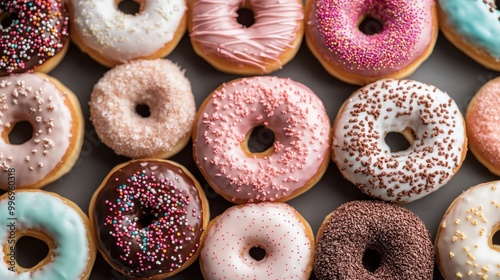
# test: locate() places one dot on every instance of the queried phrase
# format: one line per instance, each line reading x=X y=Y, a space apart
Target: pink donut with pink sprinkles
x=362 y=41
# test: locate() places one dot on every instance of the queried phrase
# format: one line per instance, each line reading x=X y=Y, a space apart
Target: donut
x=464 y=241
x=37 y=38
x=473 y=27
x=56 y=221
x=295 y=161
x=397 y=235
x=482 y=125
x=112 y=37
x=149 y=217
x=274 y=227
x=263 y=47
x=55 y=115
x=162 y=88
x=427 y=116
x=406 y=38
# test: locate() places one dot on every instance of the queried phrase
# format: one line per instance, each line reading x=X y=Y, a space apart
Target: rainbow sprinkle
x=39 y=30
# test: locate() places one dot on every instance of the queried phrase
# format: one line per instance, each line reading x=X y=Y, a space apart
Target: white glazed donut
x=428 y=117
x=56 y=221
x=273 y=226
x=162 y=87
x=464 y=245
x=112 y=37
x=57 y=120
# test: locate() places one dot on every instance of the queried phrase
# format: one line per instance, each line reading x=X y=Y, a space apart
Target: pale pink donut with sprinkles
x=407 y=37
x=277 y=228
x=293 y=164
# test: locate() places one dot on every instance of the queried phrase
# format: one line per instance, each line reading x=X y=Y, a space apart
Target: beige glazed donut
x=55 y=115
x=159 y=85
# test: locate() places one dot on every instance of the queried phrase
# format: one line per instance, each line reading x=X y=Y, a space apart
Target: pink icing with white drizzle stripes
x=276 y=25
x=407 y=32
x=301 y=138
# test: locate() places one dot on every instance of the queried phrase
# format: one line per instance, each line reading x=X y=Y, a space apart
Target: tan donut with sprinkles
x=429 y=119
x=161 y=87
x=482 y=125
x=464 y=242
x=275 y=227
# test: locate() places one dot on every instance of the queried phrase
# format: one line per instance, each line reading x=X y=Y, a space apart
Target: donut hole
x=21 y=133
x=397 y=142
x=30 y=251
x=245 y=17
x=260 y=140
x=7 y=19
x=129 y=7
x=370 y=25
x=495 y=238
x=371 y=259
x=142 y=110
x=145 y=220
x=257 y=253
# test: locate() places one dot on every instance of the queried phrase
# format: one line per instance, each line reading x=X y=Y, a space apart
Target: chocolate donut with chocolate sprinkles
x=396 y=234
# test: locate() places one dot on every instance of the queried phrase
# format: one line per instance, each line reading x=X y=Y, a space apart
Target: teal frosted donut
x=56 y=221
x=473 y=26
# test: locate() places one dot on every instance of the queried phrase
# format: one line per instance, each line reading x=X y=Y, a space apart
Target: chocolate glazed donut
x=396 y=234
x=148 y=217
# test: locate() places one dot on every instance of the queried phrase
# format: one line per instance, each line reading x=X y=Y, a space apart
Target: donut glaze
x=260 y=48
x=482 y=125
x=437 y=136
x=409 y=30
x=473 y=27
x=275 y=227
x=398 y=235
x=464 y=242
x=39 y=30
x=59 y=223
x=161 y=85
x=167 y=195
x=301 y=130
x=56 y=118
x=113 y=37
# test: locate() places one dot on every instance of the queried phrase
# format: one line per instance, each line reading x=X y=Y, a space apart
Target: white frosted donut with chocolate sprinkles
x=159 y=85
x=277 y=228
x=429 y=119
x=464 y=241
x=293 y=164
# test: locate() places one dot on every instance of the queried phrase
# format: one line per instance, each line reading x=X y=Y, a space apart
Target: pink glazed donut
x=276 y=228
x=294 y=162
x=407 y=36
x=263 y=47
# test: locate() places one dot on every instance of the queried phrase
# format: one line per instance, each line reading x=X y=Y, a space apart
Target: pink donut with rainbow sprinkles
x=362 y=41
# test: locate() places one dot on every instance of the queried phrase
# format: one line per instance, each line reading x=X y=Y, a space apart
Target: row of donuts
x=302 y=135
x=149 y=219
x=38 y=35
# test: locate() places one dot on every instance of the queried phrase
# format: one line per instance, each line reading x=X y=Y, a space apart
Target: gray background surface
x=447 y=68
